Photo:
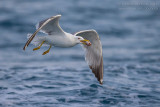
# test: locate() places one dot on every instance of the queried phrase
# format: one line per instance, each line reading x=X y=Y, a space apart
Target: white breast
x=61 y=41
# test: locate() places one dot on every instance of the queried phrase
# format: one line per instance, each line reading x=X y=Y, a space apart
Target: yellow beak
x=86 y=42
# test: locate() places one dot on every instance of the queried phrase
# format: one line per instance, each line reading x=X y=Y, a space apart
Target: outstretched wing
x=93 y=55
x=49 y=26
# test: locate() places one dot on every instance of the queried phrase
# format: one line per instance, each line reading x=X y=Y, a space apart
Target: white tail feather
x=37 y=40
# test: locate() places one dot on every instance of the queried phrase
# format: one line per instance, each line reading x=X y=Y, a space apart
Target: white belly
x=59 y=41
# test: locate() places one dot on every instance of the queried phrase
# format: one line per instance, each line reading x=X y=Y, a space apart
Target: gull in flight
x=89 y=39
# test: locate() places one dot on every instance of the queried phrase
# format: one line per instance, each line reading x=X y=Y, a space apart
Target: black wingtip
x=24 y=48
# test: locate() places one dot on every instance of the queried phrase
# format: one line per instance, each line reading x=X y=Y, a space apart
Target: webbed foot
x=47 y=51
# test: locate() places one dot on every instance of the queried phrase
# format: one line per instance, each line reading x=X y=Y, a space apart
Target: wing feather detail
x=49 y=26
x=93 y=54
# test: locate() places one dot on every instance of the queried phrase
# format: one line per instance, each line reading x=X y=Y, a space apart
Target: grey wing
x=93 y=55
x=49 y=26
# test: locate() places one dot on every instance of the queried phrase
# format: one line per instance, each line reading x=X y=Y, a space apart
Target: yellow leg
x=47 y=50
x=38 y=46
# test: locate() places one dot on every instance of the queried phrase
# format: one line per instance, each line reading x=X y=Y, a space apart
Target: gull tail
x=36 y=40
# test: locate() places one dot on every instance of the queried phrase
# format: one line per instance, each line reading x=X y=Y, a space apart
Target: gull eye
x=79 y=38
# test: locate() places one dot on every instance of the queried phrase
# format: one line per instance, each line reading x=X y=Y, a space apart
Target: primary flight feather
x=59 y=38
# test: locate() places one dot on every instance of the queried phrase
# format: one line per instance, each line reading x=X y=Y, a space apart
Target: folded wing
x=93 y=55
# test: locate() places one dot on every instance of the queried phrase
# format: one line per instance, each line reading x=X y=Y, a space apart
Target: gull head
x=81 y=40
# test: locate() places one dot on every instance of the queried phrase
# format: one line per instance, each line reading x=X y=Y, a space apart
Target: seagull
x=56 y=37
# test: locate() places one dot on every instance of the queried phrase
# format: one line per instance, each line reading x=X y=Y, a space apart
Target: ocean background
x=130 y=36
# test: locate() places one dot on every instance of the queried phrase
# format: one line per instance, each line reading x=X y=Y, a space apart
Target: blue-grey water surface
x=130 y=35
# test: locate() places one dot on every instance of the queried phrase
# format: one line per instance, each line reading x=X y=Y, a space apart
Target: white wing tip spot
x=101 y=81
